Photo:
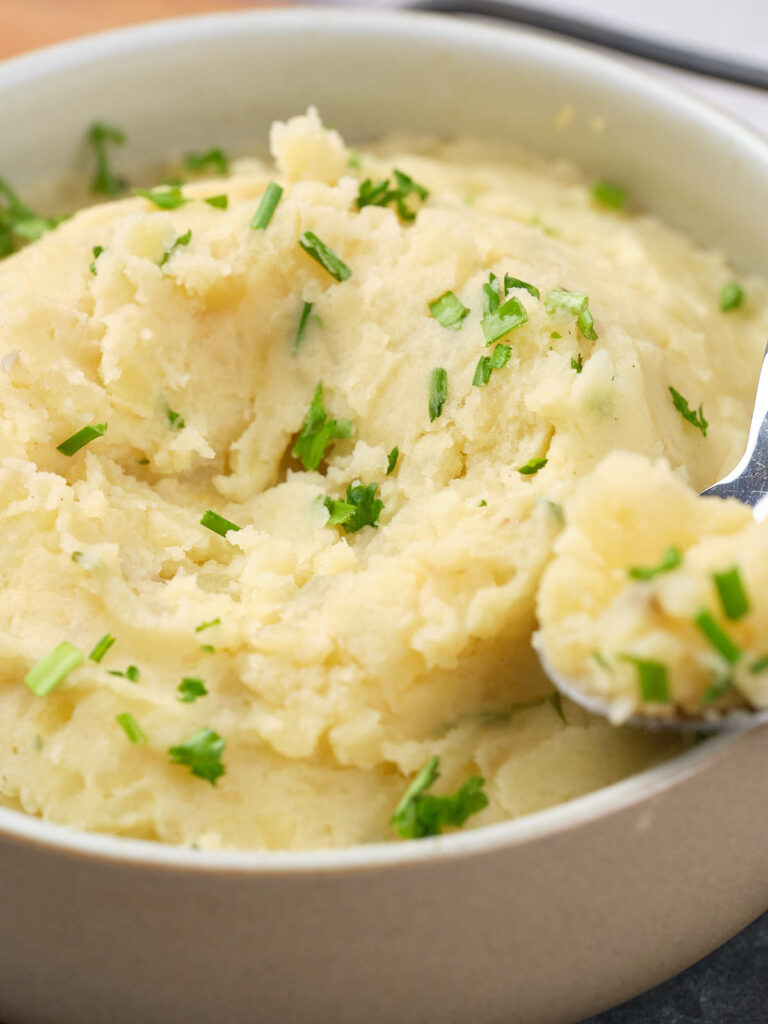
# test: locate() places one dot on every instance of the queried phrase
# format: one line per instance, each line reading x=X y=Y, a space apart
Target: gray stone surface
x=728 y=987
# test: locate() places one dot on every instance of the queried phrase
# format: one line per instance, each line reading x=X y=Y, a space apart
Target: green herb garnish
x=207 y=625
x=53 y=668
x=361 y=508
x=696 y=418
x=97 y=251
x=318 y=431
x=381 y=194
x=499 y=319
x=717 y=690
x=392 y=458
x=515 y=282
x=670 y=560
x=731 y=296
x=175 y=419
x=217 y=202
x=652 y=679
x=718 y=637
x=131 y=728
x=326 y=257
x=201 y=753
x=733 y=596
x=533 y=466
x=421 y=814
x=18 y=222
x=267 y=206
x=760 y=665
x=438 y=392
x=190 y=689
x=102 y=647
x=213 y=521
x=81 y=438
x=608 y=194
x=214 y=159
x=576 y=303
x=105 y=182
x=169 y=198
x=577 y=364
x=448 y=311
x=306 y=309
x=132 y=674
x=179 y=241
x=206 y=648
x=487 y=364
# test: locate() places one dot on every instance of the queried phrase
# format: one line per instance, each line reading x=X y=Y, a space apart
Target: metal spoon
x=749 y=483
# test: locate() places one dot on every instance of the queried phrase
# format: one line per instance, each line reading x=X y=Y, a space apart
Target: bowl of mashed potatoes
x=340 y=354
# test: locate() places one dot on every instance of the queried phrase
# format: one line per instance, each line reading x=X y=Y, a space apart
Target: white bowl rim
x=620 y=796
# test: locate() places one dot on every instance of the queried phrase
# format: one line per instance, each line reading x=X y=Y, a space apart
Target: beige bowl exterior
x=539 y=921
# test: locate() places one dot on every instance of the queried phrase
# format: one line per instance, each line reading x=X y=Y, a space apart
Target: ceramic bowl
x=540 y=921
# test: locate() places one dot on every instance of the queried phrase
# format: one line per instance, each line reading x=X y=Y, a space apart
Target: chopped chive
x=379 y=193
x=718 y=637
x=487 y=364
x=652 y=679
x=482 y=503
x=213 y=521
x=731 y=296
x=533 y=466
x=179 y=241
x=306 y=309
x=717 y=690
x=132 y=674
x=326 y=257
x=502 y=320
x=208 y=624
x=599 y=658
x=555 y=335
x=760 y=665
x=131 y=728
x=577 y=303
x=577 y=364
x=169 y=198
x=733 y=596
x=53 y=668
x=392 y=458
x=102 y=647
x=670 y=560
x=190 y=689
x=81 y=438
x=448 y=311
x=438 y=392
x=104 y=182
x=608 y=194
x=267 y=206
x=201 y=753
x=207 y=648
x=214 y=159
x=175 y=420
x=218 y=202
x=695 y=418
x=97 y=251
x=515 y=282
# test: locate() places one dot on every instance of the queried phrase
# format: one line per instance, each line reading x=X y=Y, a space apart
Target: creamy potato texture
x=338 y=662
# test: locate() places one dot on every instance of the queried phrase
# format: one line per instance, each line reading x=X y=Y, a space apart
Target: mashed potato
x=335 y=661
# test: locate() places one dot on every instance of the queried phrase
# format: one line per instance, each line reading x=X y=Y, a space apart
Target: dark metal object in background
x=590 y=32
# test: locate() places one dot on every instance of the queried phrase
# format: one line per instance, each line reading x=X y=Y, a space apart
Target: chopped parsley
x=97 y=251
x=718 y=637
x=577 y=364
x=220 y=202
x=317 y=432
x=19 y=223
x=326 y=257
x=213 y=521
x=132 y=674
x=717 y=690
x=361 y=508
x=81 y=438
x=392 y=458
x=214 y=159
x=47 y=673
x=131 y=728
x=438 y=392
x=515 y=282
x=652 y=679
x=175 y=420
x=731 y=296
x=102 y=647
x=168 y=198
x=105 y=182
x=201 y=753
x=190 y=689
x=499 y=318
x=608 y=194
x=733 y=596
x=487 y=364
x=267 y=206
x=301 y=330
x=557 y=334
x=670 y=560
x=421 y=814
x=382 y=194
x=448 y=311
x=177 y=243
x=695 y=418
x=576 y=303
x=533 y=466
x=208 y=624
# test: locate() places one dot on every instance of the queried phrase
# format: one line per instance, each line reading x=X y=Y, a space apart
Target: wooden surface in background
x=27 y=24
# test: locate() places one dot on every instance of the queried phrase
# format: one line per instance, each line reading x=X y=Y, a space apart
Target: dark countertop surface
x=728 y=987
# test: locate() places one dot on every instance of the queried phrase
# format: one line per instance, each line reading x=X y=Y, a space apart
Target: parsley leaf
x=326 y=257
x=671 y=559
x=731 y=296
x=577 y=364
x=169 y=198
x=81 y=438
x=214 y=159
x=533 y=466
x=577 y=303
x=105 y=182
x=499 y=319
x=190 y=689
x=392 y=458
x=438 y=392
x=421 y=814
x=180 y=240
x=131 y=728
x=361 y=508
x=382 y=194
x=695 y=418
x=318 y=431
x=201 y=753
x=733 y=596
x=53 y=668
x=487 y=364
x=608 y=194
x=18 y=222
x=97 y=251
x=448 y=311
x=175 y=420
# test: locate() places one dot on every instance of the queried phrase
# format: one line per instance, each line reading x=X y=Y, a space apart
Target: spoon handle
x=749 y=480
